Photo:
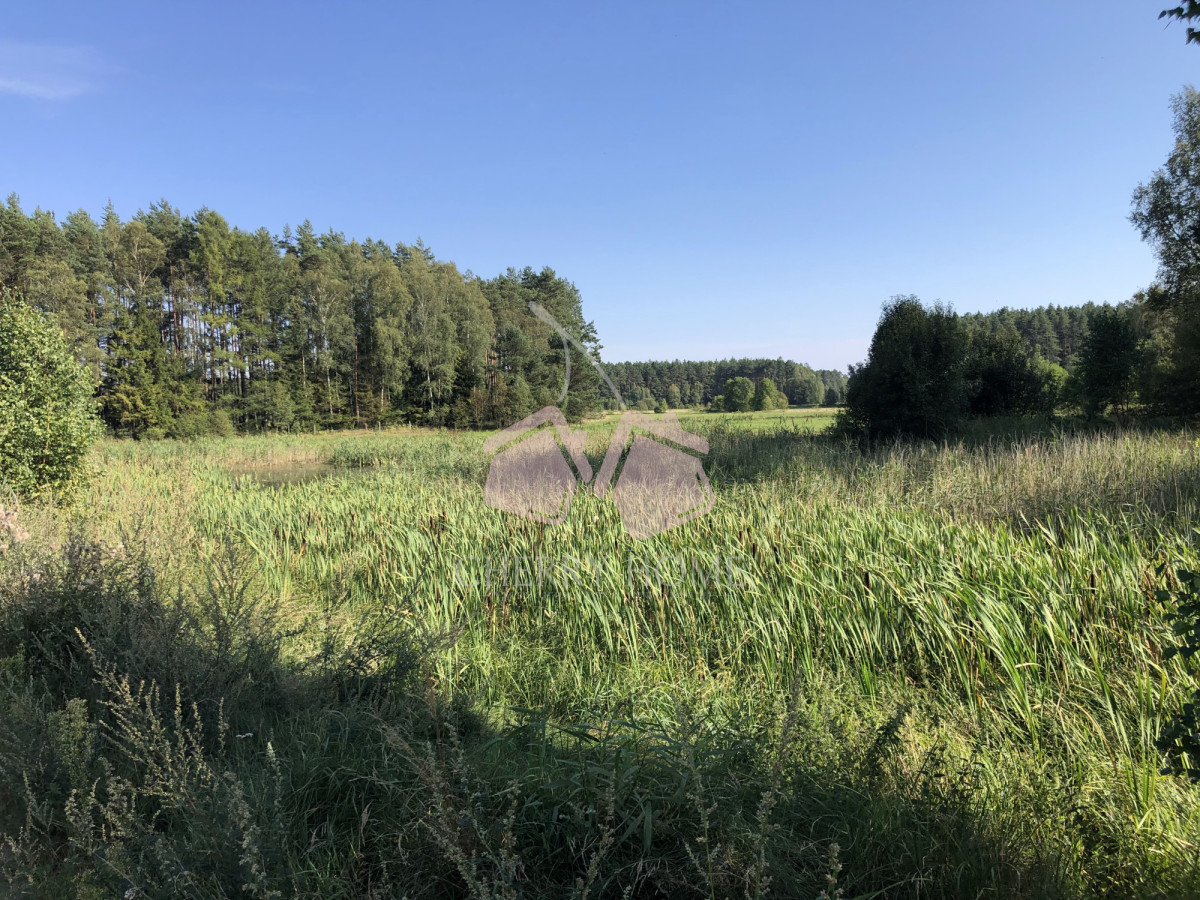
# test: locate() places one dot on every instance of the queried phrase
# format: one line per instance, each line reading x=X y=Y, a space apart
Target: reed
x=984 y=607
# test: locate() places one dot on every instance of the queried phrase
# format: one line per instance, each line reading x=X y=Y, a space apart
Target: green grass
x=923 y=670
x=807 y=418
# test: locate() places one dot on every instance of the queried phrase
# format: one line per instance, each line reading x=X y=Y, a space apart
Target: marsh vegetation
x=919 y=669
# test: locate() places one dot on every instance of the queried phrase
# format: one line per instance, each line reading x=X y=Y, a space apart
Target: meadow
x=321 y=666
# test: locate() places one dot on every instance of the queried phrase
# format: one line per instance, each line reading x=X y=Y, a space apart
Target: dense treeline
x=928 y=368
x=1054 y=333
x=684 y=383
x=188 y=326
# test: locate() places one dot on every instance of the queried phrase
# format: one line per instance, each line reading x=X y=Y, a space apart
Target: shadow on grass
x=161 y=746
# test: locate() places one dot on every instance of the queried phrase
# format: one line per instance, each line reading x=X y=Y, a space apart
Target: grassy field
x=915 y=671
x=805 y=418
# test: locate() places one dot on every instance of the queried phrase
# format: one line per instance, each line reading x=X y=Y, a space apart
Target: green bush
x=47 y=418
x=767 y=396
x=219 y=423
x=914 y=381
x=739 y=394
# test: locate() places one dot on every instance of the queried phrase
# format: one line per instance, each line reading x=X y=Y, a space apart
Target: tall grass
x=943 y=659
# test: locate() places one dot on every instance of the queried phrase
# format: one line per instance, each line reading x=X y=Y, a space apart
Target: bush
x=914 y=381
x=739 y=394
x=1052 y=389
x=1004 y=380
x=219 y=423
x=767 y=396
x=47 y=418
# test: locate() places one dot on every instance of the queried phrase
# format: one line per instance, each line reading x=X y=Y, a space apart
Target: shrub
x=220 y=424
x=914 y=381
x=739 y=394
x=1002 y=376
x=767 y=396
x=47 y=418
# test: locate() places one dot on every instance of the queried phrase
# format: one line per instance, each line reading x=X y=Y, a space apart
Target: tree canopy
x=187 y=325
x=701 y=383
x=1186 y=12
x=1166 y=210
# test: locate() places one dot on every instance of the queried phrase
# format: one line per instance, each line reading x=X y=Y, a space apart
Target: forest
x=188 y=326
x=1054 y=333
x=683 y=383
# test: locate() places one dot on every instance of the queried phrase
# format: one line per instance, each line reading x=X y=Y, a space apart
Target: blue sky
x=717 y=179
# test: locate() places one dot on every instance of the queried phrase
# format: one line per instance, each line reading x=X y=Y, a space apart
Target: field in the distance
x=922 y=670
x=807 y=418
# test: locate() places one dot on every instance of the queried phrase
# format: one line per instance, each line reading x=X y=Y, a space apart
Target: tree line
x=1054 y=333
x=189 y=326
x=928 y=369
x=668 y=385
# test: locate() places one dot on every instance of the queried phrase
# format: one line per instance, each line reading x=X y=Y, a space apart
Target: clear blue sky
x=718 y=180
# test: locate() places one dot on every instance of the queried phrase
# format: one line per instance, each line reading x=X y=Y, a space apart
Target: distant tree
x=515 y=400
x=134 y=399
x=660 y=406
x=914 y=379
x=804 y=386
x=739 y=394
x=766 y=395
x=1108 y=363
x=674 y=396
x=1051 y=381
x=1054 y=333
x=717 y=404
x=698 y=382
x=47 y=418
x=835 y=387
